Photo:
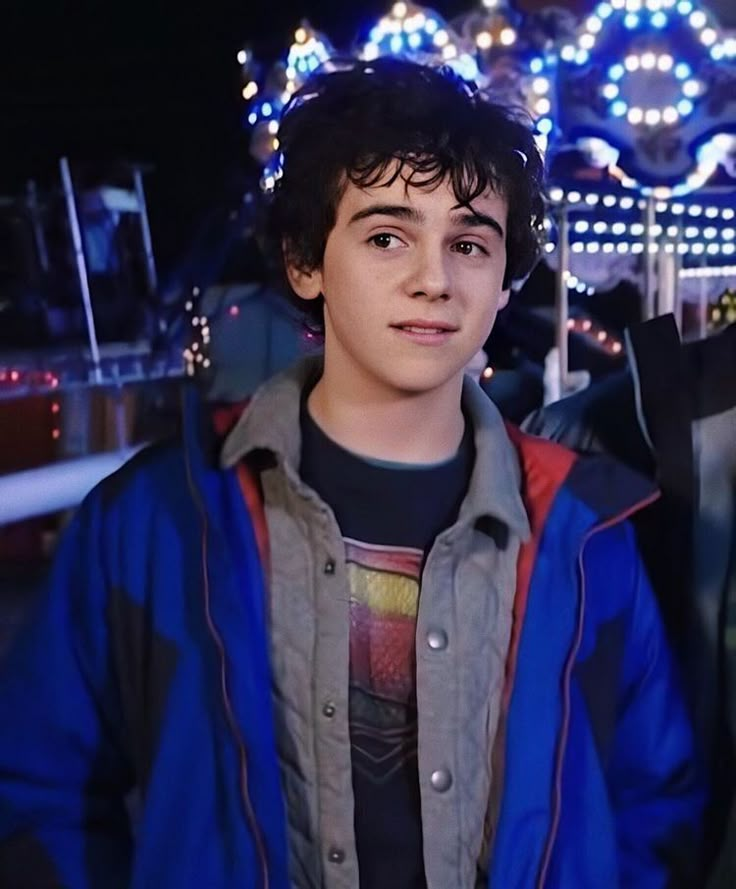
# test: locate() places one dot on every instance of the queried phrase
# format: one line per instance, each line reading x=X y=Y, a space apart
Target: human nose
x=429 y=277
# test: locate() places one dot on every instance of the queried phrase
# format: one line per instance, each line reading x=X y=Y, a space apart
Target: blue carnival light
x=618 y=108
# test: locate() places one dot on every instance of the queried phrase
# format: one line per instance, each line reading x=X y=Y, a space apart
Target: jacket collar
x=270 y=422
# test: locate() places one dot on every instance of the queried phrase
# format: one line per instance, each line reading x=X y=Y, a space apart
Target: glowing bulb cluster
x=410 y=31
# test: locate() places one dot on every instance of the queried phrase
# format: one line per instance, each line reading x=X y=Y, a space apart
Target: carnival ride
x=634 y=107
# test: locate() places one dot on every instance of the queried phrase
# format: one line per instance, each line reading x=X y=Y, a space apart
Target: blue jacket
x=137 y=744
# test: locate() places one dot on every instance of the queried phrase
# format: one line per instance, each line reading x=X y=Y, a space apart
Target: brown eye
x=384 y=240
x=469 y=248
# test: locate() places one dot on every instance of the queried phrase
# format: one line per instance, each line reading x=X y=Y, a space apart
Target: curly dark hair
x=364 y=121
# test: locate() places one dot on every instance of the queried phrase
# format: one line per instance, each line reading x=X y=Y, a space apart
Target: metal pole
x=703 y=303
x=58 y=486
x=38 y=236
x=650 y=260
x=81 y=266
x=145 y=232
x=561 y=301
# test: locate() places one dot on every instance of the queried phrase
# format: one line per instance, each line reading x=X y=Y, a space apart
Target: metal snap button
x=330 y=566
x=441 y=780
x=329 y=709
x=437 y=640
x=336 y=855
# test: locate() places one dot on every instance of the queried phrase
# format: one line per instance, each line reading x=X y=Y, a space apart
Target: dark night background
x=156 y=83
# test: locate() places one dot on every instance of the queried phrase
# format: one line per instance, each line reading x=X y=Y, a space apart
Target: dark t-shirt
x=389 y=516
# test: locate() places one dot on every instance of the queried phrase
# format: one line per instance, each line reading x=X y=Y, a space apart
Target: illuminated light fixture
x=670 y=114
x=659 y=20
x=616 y=72
x=691 y=88
x=542 y=106
x=609 y=200
x=577 y=247
x=698 y=19
x=581 y=226
x=626 y=203
x=441 y=38
x=484 y=40
x=508 y=36
x=567 y=53
x=631 y=21
x=610 y=91
x=591 y=199
x=665 y=62
x=708 y=36
x=556 y=194
x=242 y=57
x=587 y=41
x=573 y=196
x=618 y=108
x=648 y=61
x=682 y=71
x=540 y=85
x=635 y=115
x=711 y=212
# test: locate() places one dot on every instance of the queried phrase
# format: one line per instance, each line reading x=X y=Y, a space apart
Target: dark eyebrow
x=473 y=219
x=396 y=211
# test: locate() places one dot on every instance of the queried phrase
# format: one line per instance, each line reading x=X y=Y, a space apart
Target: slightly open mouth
x=411 y=328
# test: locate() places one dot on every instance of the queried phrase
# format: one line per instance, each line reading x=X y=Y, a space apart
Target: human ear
x=306 y=283
x=504 y=299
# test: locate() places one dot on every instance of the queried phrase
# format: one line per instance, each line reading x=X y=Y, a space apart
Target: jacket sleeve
x=63 y=772
x=655 y=776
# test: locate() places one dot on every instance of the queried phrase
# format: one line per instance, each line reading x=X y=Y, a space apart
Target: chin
x=421 y=383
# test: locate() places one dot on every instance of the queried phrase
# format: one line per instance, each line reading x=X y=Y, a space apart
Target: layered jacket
x=140 y=745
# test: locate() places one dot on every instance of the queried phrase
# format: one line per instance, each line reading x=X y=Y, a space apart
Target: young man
x=375 y=639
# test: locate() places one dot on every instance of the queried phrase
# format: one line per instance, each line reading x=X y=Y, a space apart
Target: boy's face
x=412 y=283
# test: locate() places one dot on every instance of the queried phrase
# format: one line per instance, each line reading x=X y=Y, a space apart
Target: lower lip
x=430 y=338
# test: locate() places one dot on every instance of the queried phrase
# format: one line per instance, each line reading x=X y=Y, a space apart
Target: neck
x=403 y=427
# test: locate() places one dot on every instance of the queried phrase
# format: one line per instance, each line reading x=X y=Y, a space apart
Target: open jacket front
x=145 y=683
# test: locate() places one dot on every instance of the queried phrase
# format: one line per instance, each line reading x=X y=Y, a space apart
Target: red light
x=14 y=376
x=55 y=433
x=55 y=408
x=234 y=311
x=54 y=382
